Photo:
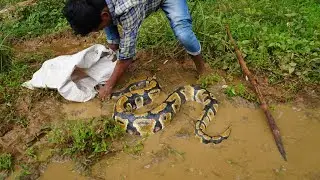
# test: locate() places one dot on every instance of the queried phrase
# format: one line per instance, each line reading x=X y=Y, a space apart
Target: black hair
x=84 y=15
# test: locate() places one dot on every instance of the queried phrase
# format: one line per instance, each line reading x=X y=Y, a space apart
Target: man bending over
x=86 y=16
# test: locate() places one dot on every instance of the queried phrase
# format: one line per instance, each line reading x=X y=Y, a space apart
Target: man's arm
x=120 y=68
x=127 y=49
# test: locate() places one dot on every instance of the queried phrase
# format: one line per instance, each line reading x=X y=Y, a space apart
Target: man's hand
x=114 y=47
x=105 y=91
x=121 y=66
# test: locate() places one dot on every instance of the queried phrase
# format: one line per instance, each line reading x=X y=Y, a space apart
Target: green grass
x=20 y=70
x=241 y=91
x=5 y=3
x=6 y=162
x=211 y=79
x=25 y=172
x=5 y=56
x=44 y=17
x=10 y=87
x=91 y=138
x=280 y=39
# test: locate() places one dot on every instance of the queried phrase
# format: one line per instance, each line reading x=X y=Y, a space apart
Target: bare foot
x=202 y=67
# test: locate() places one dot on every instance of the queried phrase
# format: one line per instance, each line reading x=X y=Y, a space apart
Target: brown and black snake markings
x=141 y=93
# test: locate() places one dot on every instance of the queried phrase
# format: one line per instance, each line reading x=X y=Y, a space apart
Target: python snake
x=141 y=93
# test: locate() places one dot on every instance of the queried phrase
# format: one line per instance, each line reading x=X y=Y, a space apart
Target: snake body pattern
x=141 y=93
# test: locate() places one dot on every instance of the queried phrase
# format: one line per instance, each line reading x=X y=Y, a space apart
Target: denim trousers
x=177 y=12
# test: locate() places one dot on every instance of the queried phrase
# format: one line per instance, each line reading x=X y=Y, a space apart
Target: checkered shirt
x=130 y=14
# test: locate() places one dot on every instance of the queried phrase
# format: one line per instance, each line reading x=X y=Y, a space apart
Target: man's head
x=85 y=16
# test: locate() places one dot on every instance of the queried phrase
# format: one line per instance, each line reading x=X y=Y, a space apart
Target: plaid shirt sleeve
x=131 y=22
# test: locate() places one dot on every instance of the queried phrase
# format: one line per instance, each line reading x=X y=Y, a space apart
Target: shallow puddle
x=249 y=153
x=61 y=171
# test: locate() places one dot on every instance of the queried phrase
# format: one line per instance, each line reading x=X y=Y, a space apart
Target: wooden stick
x=274 y=128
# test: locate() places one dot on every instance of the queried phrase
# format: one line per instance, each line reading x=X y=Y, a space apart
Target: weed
x=85 y=138
x=25 y=172
x=240 y=90
x=230 y=91
x=5 y=162
x=31 y=152
x=209 y=80
x=135 y=149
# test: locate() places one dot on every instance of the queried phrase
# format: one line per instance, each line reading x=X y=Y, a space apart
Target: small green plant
x=5 y=162
x=25 y=172
x=230 y=91
x=206 y=81
x=240 y=90
x=135 y=149
x=85 y=138
x=31 y=152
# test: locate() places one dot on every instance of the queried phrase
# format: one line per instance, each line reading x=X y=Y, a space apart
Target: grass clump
x=241 y=91
x=206 y=81
x=85 y=138
x=6 y=162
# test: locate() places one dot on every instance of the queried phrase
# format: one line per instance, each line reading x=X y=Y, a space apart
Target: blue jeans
x=180 y=21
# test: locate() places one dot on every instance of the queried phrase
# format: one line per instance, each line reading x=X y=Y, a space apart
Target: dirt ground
x=249 y=153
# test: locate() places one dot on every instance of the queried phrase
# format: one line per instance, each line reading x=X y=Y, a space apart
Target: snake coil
x=141 y=93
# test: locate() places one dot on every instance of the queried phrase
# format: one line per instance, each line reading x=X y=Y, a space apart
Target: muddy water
x=249 y=153
x=61 y=171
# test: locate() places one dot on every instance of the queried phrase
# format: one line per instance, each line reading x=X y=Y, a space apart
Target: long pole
x=264 y=106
